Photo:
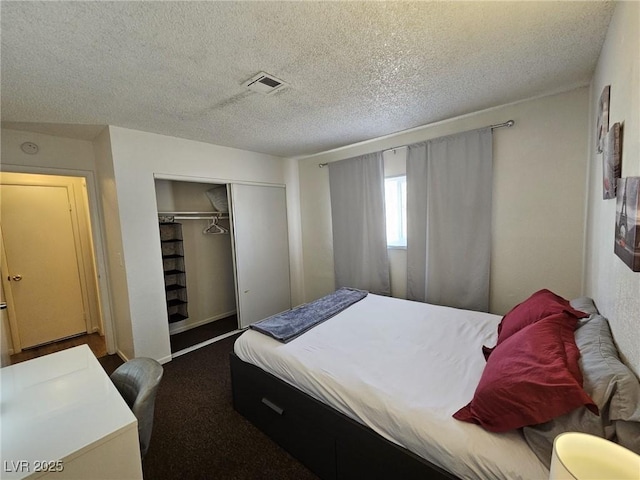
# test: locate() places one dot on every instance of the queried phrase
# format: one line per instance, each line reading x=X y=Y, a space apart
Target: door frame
x=8 y=299
x=89 y=308
x=98 y=237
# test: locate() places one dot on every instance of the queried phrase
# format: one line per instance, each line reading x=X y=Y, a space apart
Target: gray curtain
x=359 y=229
x=449 y=190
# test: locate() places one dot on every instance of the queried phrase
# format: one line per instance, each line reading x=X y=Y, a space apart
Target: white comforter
x=402 y=368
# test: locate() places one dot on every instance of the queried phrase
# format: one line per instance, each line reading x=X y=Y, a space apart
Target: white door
x=40 y=267
x=261 y=251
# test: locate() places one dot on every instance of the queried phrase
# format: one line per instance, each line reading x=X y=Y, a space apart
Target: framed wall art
x=603 y=118
x=627 y=243
x=611 y=161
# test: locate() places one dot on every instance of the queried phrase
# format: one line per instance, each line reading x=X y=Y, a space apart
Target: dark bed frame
x=330 y=444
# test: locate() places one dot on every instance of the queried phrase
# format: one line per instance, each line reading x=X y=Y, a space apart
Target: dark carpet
x=182 y=340
x=198 y=435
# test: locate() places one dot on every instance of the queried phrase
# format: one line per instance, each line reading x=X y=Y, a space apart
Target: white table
x=61 y=417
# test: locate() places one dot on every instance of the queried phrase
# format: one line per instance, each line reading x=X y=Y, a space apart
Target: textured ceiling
x=357 y=70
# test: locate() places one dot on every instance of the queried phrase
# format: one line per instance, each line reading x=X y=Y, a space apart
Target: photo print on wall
x=611 y=161
x=627 y=242
x=603 y=118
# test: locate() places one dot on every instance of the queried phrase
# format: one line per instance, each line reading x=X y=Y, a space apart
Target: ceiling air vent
x=265 y=84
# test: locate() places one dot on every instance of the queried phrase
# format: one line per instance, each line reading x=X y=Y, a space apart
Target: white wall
x=119 y=294
x=59 y=153
x=137 y=157
x=539 y=188
x=615 y=288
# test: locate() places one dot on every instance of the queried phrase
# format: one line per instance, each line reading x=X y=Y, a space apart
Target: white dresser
x=62 y=418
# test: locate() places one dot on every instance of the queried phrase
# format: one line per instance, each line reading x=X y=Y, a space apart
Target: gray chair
x=137 y=381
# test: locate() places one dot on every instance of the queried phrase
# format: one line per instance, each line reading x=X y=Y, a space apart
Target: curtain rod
x=508 y=124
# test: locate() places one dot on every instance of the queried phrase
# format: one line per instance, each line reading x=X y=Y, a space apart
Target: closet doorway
x=197 y=261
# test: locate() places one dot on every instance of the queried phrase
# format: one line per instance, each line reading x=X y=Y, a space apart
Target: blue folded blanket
x=286 y=326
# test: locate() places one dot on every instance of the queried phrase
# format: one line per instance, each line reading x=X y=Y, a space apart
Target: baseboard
x=205 y=343
x=166 y=359
x=174 y=328
x=122 y=356
x=125 y=359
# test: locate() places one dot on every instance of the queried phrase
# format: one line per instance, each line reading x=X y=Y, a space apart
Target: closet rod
x=194 y=215
x=508 y=124
x=211 y=214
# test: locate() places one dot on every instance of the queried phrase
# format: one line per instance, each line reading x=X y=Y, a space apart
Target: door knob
x=16 y=278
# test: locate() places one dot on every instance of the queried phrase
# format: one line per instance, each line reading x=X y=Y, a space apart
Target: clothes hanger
x=214 y=228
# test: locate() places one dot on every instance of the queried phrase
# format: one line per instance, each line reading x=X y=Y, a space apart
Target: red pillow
x=531 y=378
x=538 y=306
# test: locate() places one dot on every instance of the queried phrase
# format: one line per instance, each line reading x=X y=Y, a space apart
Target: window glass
x=396 y=210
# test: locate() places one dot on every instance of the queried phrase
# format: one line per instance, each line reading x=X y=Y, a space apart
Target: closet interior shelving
x=175 y=281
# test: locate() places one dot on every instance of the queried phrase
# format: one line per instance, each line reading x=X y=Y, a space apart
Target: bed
x=371 y=391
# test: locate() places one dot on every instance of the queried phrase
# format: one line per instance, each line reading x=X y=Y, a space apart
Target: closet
x=225 y=256
x=197 y=262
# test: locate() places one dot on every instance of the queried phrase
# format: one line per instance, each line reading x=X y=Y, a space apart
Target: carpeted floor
x=198 y=435
x=203 y=333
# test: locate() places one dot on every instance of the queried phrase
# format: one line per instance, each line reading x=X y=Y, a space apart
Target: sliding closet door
x=261 y=251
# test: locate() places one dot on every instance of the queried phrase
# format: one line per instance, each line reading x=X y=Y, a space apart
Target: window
x=396 y=210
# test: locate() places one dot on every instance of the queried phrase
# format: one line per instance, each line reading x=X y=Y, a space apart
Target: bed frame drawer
x=288 y=419
x=329 y=443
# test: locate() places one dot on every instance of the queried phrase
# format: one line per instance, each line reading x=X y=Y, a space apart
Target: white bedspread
x=402 y=368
